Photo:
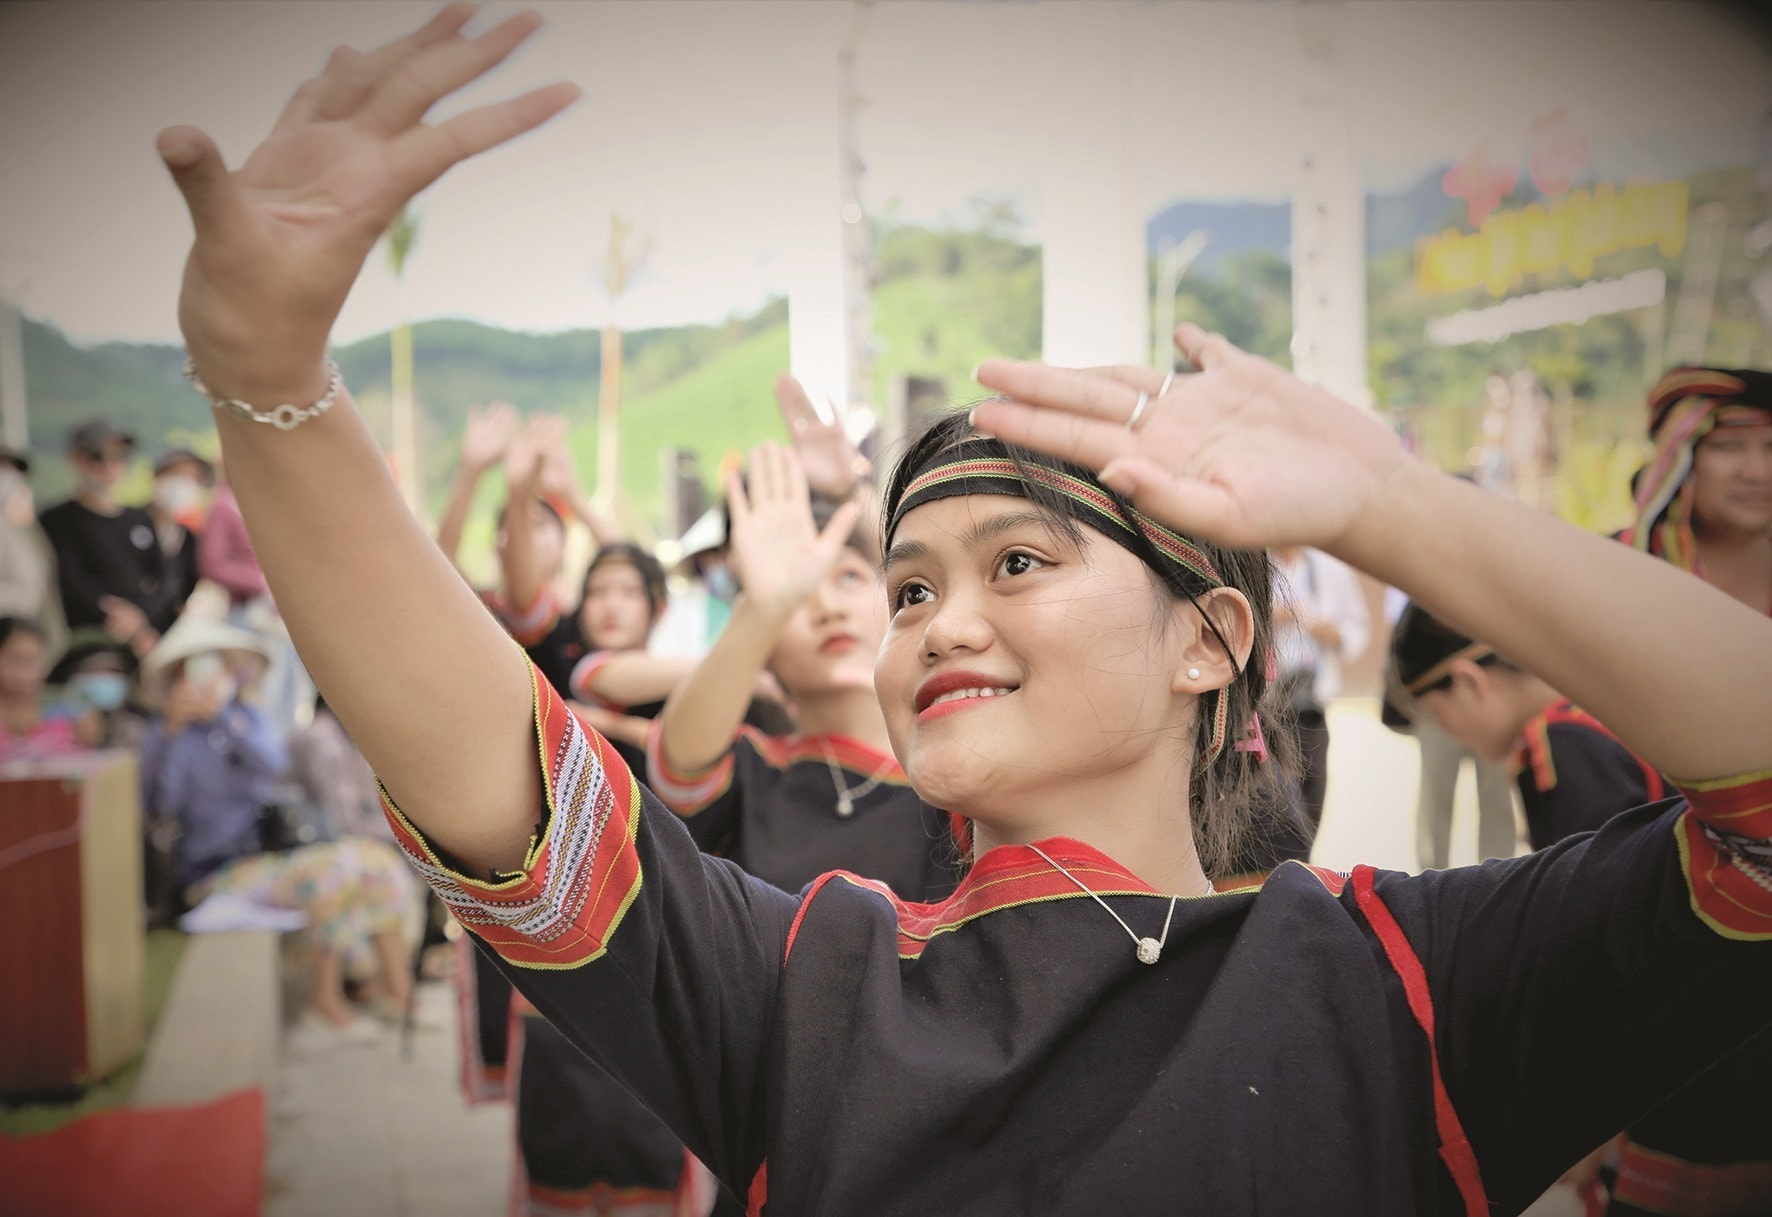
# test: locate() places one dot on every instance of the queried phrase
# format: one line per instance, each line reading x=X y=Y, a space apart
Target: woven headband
x=984 y=467
x=981 y=466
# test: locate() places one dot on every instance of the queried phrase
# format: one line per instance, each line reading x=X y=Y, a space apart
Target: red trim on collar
x=1005 y=877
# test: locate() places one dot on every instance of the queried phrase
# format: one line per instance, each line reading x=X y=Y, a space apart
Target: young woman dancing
x=1082 y=1027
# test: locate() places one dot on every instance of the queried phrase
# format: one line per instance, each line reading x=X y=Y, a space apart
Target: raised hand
x=487 y=433
x=1243 y=453
x=831 y=462
x=526 y=453
x=777 y=551
x=280 y=240
x=559 y=469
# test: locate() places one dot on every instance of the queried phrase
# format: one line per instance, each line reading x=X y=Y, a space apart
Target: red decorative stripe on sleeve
x=532 y=624
x=1740 y=806
x=582 y=872
x=683 y=793
x=1455 y=1146
x=584 y=674
x=1731 y=893
x=1660 y=1183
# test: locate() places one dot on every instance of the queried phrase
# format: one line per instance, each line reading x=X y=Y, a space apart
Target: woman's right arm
x=370 y=601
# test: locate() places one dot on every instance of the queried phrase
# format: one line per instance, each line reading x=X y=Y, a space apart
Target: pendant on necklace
x=845 y=805
x=1149 y=950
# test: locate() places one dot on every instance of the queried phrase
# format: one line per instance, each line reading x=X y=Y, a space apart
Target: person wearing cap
x=1706 y=1150
x=180 y=479
x=109 y=567
x=27 y=560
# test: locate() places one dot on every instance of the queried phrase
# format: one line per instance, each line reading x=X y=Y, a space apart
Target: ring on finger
x=1167 y=381
x=1144 y=399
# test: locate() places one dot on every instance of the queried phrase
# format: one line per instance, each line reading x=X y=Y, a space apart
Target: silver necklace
x=1149 y=949
x=846 y=794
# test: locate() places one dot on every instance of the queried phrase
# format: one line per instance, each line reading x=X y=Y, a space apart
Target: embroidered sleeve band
x=582 y=870
x=1726 y=848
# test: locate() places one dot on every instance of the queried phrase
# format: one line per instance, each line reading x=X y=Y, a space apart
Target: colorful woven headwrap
x=1685 y=406
x=984 y=466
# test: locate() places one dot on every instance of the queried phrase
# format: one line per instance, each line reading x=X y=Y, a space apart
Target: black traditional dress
x=1370 y=1043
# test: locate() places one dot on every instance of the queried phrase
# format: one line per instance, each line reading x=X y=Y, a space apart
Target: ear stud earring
x=1193 y=673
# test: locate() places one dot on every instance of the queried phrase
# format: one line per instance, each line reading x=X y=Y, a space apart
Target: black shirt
x=98 y=555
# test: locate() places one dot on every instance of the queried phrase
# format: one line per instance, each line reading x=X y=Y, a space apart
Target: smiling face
x=828 y=645
x=1732 y=481
x=1021 y=666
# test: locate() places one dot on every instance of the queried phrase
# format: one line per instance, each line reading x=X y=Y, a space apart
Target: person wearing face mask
x=181 y=478
x=99 y=676
x=110 y=569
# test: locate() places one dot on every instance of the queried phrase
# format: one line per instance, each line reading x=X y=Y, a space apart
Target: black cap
x=173 y=456
x=92 y=437
x=18 y=458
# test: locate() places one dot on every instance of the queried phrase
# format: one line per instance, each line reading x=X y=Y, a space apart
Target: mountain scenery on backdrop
x=943 y=300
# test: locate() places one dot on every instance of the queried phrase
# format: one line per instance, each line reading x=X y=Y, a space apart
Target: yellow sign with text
x=1545 y=240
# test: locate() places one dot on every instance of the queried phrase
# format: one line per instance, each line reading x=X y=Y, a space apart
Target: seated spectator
x=98 y=675
x=109 y=567
x=333 y=775
x=27 y=562
x=30 y=730
x=213 y=764
x=181 y=478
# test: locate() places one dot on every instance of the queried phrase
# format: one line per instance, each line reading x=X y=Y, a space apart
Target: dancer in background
x=810 y=612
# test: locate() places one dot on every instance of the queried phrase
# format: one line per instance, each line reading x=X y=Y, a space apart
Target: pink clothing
x=224 y=554
x=54 y=736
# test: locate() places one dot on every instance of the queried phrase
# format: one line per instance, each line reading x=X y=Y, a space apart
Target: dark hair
x=1225 y=797
x=19 y=625
x=1421 y=641
x=626 y=553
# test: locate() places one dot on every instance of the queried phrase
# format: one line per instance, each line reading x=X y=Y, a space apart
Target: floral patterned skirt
x=350 y=889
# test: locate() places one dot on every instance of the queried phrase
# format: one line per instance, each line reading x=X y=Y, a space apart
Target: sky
x=710 y=124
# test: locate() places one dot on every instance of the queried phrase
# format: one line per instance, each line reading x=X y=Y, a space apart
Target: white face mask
x=175 y=494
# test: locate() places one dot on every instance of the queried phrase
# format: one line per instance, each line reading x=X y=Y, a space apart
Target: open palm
x=1243 y=453
x=280 y=240
x=777 y=550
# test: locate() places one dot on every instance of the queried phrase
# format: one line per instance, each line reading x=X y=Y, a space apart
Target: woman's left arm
x=1245 y=454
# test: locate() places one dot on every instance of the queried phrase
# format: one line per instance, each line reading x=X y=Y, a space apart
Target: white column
x=1095 y=298
x=813 y=260
x=1328 y=218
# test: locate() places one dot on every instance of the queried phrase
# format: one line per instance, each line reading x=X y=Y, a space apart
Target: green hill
x=944 y=299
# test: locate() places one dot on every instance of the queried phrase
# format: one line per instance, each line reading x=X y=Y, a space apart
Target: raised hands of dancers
x=777 y=550
x=1242 y=453
x=486 y=435
x=280 y=240
x=833 y=466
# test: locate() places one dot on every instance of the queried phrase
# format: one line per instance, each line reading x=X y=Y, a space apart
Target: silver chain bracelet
x=285 y=417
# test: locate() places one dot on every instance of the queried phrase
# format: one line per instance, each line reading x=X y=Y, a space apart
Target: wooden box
x=71 y=956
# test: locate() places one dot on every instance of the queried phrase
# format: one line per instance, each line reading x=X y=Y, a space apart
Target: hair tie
x=1253 y=739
